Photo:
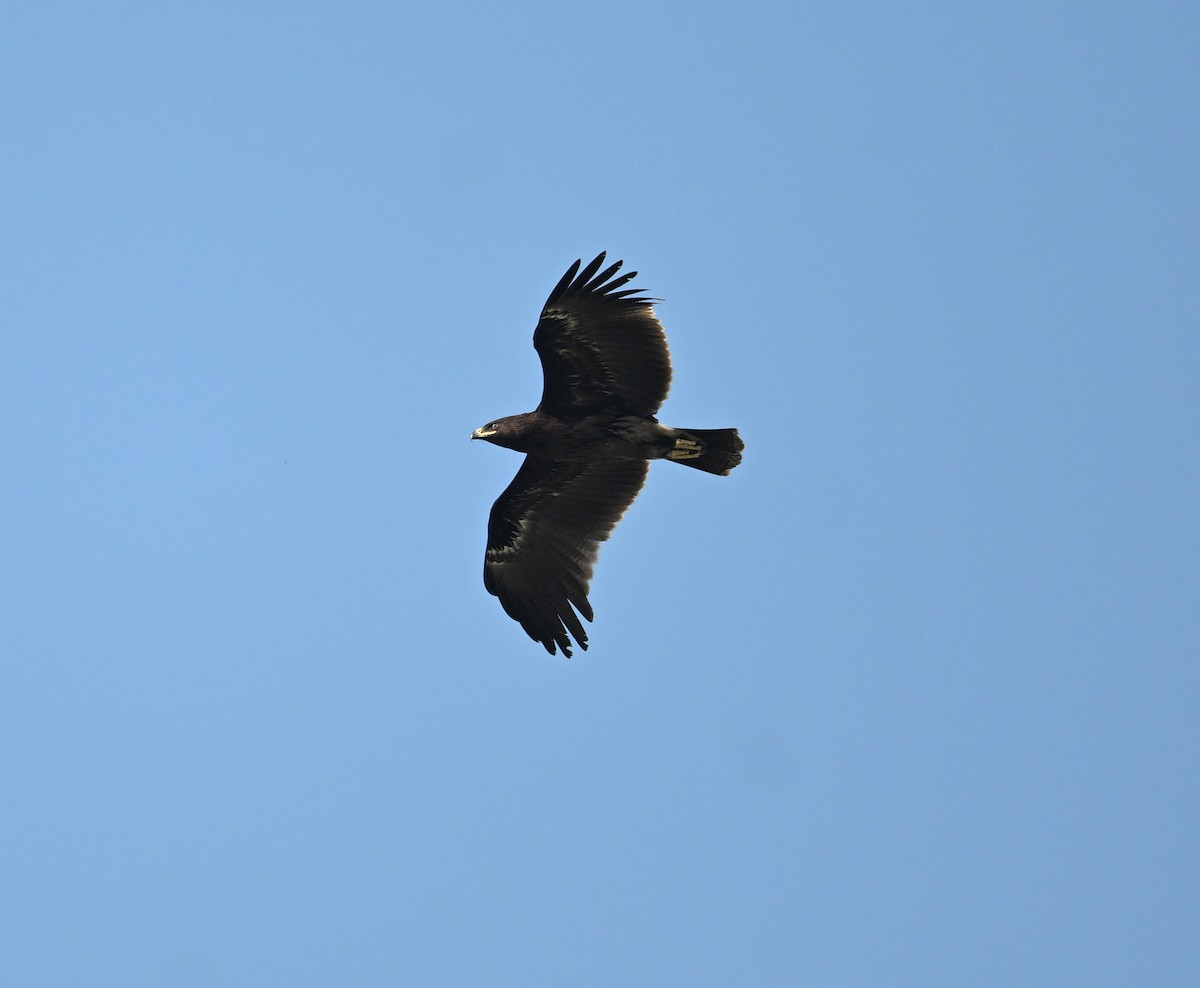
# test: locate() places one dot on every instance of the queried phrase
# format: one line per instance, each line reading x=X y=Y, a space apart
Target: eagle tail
x=711 y=450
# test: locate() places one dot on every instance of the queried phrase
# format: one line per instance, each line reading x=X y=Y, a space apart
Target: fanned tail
x=711 y=450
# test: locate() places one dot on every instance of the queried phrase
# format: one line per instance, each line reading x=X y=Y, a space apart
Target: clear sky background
x=911 y=698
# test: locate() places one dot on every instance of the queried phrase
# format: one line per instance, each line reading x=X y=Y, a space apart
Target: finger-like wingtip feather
x=565 y=280
x=604 y=275
x=580 y=283
x=618 y=282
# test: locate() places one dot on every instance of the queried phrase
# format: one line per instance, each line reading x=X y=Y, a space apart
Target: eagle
x=606 y=370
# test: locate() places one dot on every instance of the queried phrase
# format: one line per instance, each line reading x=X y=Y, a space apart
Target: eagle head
x=509 y=431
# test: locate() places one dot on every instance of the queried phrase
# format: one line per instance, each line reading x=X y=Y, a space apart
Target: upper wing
x=544 y=535
x=600 y=347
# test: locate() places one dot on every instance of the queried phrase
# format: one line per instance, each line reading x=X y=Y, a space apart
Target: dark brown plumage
x=606 y=370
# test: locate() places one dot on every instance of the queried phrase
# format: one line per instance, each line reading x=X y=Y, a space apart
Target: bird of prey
x=605 y=370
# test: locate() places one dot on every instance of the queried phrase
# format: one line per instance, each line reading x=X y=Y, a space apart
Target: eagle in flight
x=606 y=370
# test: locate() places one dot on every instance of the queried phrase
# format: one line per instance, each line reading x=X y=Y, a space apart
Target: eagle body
x=599 y=435
x=606 y=370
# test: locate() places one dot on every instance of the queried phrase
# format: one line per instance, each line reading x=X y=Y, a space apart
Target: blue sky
x=909 y=699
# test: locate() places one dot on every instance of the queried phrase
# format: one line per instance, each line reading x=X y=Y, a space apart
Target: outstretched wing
x=544 y=535
x=601 y=348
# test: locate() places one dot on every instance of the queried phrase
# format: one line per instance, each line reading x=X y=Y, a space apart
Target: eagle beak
x=482 y=433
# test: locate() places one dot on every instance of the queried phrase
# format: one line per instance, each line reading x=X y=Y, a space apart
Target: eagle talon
x=685 y=449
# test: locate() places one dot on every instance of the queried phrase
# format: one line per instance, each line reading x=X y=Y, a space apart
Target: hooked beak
x=482 y=433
